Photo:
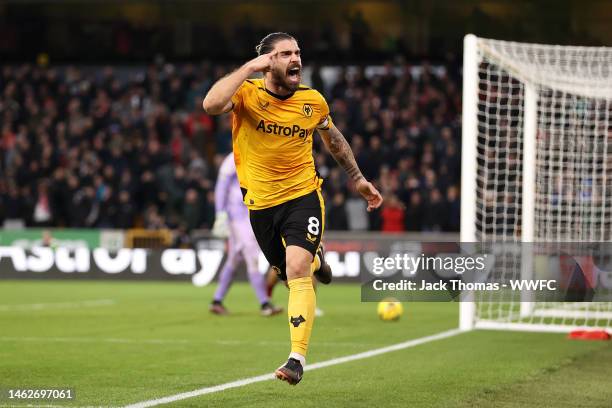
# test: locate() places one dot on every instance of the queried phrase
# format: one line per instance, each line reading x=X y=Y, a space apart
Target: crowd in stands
x=111 y=148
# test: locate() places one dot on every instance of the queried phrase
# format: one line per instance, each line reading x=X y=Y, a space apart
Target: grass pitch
x=117 y=343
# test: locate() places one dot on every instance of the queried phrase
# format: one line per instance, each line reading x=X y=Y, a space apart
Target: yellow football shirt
x=272 y=141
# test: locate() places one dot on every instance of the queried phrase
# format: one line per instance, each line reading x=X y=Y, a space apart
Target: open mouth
x=293 y=73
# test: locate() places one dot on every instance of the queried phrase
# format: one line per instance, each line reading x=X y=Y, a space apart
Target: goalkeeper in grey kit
x=232 y=222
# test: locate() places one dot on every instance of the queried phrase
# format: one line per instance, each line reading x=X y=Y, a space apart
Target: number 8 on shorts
x=313 y=225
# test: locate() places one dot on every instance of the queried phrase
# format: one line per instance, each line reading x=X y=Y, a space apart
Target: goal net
x=536 y=168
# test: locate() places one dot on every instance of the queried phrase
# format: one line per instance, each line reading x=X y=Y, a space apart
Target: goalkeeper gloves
x=220 y=228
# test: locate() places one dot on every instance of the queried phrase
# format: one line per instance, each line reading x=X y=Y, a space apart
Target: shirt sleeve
x=238 y=98
x=325 y=119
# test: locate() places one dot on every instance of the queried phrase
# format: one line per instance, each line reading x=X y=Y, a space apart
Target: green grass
x=149 y=340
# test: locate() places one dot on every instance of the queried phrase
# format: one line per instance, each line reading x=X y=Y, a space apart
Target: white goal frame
x=468 y=319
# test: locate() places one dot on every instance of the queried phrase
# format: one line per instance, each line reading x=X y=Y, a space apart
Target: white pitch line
x=61 y=305
x=316 y=366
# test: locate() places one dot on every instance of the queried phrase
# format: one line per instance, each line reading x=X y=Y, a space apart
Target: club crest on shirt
x=307 y=109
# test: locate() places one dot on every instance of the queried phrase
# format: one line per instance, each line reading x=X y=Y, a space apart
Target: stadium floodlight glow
x=536 y=167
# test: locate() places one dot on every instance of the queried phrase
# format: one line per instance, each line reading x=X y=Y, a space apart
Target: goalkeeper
x=232 y=221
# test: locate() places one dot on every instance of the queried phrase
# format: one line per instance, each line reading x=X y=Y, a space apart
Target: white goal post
x=536 y=167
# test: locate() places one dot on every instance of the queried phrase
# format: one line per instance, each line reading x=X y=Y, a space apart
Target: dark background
x=224 y=31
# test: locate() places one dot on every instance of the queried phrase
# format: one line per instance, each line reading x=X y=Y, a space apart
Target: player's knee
x=298 y=265
x=234 y=260
x=252 y=264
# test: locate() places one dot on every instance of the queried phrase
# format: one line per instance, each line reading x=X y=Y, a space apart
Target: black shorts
x=297 y=222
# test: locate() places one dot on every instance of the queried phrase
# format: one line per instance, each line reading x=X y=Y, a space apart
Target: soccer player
x=232 y=221
x=274 y=119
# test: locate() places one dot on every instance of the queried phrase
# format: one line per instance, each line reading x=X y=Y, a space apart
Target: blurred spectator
x=181 y=237
x=392 y=215
x=454 y=209
x=85 y=206
x=42 y=209
x=435 y=212
x=223 y=135
x=192 y=211
x=356 y=210
x=414 y=213
x=126 y=211
x=209 y=209
x=336 y=215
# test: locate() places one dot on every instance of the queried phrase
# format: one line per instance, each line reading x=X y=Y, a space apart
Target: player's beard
x=280 y=78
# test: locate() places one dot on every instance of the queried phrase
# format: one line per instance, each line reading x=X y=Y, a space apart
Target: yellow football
x=390 y=309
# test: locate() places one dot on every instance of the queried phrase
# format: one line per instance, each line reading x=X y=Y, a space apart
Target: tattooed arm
x=341 y=151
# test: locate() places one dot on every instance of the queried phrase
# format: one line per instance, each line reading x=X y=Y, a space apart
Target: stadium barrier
x=142 y=238
x=348 y=253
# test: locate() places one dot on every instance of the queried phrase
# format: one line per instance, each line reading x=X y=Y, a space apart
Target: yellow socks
x=315 y=265
x=301 y=311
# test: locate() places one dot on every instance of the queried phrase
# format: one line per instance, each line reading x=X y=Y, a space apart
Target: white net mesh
x=499 y=153
x=583 y=71
x=573 y=167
